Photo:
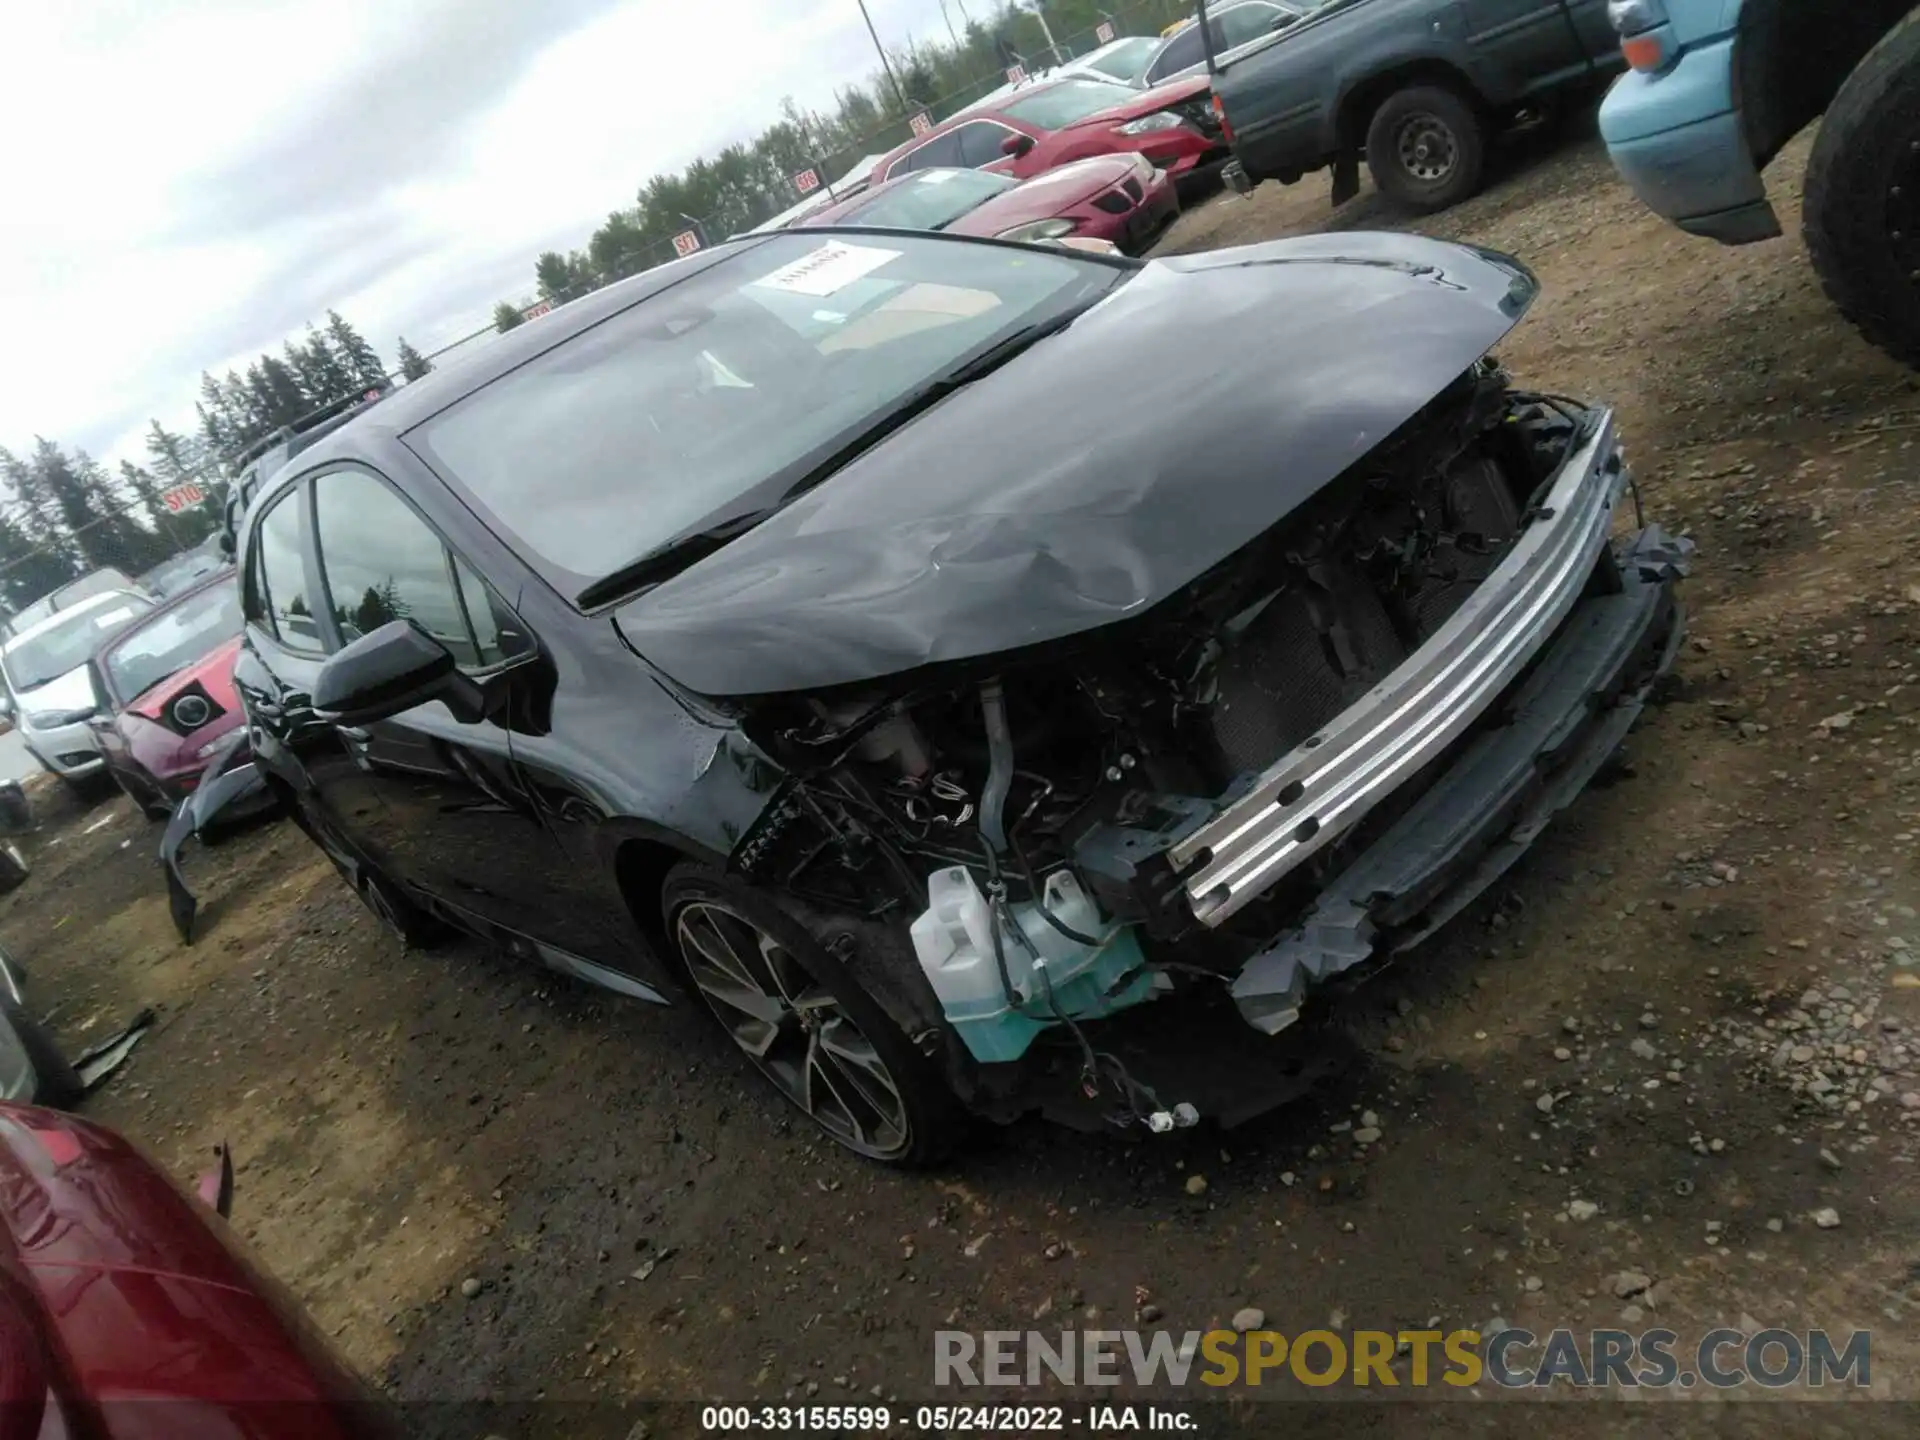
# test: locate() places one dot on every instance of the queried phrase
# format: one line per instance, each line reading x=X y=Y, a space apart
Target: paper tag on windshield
x=834 y=266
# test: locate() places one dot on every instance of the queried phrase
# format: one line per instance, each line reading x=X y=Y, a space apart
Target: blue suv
x=1716 y=88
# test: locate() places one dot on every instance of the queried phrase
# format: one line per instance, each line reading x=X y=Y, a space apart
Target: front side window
x=1243 y=23
x=1066 y=101
x=382 y=562
x=714 y=397
x=280 y=584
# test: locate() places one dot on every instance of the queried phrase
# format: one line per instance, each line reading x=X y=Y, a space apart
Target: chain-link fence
x=163 y=540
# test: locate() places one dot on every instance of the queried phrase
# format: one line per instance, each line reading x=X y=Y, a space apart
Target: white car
x=49 y=688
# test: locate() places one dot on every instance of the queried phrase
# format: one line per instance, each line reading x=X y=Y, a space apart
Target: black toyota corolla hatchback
x=986 y=676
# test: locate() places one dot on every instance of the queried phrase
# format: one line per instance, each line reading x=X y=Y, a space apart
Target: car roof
x=60 y=617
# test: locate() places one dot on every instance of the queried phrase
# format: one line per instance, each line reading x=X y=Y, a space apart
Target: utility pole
x=880 y=50
x=952 y=34
x=1040 y=14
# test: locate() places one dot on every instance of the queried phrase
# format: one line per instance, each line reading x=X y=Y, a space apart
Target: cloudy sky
x=190 y=181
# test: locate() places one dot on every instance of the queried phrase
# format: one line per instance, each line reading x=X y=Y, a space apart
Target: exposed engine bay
x=1018 y=813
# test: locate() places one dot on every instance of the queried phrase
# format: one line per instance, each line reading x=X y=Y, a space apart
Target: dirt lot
x=1696 y=1007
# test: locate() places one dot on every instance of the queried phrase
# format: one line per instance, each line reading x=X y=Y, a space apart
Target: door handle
x=354 y=735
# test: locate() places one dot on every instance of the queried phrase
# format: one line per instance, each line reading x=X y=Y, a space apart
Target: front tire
x=150 y=802
x=1862 y=197
x=1426 y=148
x=807 y=1026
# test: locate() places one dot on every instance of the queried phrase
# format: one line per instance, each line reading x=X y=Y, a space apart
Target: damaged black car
x=961 y=665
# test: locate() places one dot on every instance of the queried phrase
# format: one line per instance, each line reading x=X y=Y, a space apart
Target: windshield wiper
x=663 y=563
x=689 y=549
x=917 y=402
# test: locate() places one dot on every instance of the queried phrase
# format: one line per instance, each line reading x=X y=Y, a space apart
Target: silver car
x=48 y=687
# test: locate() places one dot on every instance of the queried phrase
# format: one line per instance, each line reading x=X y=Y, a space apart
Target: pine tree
x=334 y=382
x=27 y=570
x=248 y=417
x=216 y=421
x=413 y=365
x=172 y=455
x=290 y=402
x=313 y=383
x=213 y=432
x=506 y=315
x=145 y=490
x=550 y=272
x=40 y=516
x=355 y=356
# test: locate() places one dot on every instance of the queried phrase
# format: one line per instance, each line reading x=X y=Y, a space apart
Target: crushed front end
x=1316 y=753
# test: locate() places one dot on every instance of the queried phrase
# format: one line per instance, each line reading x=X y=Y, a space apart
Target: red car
x=1118 y=198
x=1038 y=127
x=167 y=683
x=127 y=1311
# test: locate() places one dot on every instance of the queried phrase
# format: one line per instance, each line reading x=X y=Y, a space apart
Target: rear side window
x=941 y=150
x=1183 y=51
x=278 y=598
x=382 y=562
x=980 y=143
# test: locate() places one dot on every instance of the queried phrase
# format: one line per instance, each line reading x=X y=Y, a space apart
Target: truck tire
x=1426 y=147
x=1862 y=197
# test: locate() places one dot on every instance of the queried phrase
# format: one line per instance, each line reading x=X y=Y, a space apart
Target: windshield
x=1124 y=59
x=67 y=643
x=174 y=639
x=1067 y=101
x=723 y=388
x=929 y=199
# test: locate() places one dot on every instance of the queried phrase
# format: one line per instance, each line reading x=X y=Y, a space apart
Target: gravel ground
x=1669 y=1074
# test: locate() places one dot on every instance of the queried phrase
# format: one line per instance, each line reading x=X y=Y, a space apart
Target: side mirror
x=1016 y=145
x=389 y=670
x=226 y=544
x=1280 y=22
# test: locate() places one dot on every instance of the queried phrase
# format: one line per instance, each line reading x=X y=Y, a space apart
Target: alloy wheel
x=1428 y=148
x=793 y=1028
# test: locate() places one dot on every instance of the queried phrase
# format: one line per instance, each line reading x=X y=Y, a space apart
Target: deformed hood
x=1095 y=474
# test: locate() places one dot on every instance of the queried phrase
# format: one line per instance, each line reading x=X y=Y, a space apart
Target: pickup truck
x=1415 y=87
x=1716 y=90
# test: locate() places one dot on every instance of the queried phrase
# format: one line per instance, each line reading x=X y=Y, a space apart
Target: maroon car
x=1040 y=127
x=167 y=683
x=1118 y=198
x=129 y=1312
